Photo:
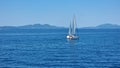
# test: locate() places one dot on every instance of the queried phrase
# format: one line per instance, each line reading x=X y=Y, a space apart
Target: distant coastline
x=47 y=26
x=104 y=26
x=34 y=26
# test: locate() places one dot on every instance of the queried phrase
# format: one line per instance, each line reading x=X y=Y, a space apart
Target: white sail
x=70 y=30
x=74 y=26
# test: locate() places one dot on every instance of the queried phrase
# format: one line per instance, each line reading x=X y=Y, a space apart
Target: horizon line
x=52 y=25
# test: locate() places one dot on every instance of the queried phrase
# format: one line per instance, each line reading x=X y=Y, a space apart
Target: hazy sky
x=59 y=12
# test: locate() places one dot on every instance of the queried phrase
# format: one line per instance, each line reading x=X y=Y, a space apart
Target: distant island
x=34 y=26
x=104 y=26
x=47 y=26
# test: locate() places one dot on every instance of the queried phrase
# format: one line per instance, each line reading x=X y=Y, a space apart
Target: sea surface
x=49 y=48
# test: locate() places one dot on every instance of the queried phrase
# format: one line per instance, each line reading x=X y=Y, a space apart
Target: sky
x=59 y=12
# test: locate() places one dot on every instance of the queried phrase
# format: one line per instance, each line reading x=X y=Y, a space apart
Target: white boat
x=72 y=31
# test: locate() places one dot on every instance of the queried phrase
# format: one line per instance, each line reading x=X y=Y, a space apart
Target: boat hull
x=72 y=37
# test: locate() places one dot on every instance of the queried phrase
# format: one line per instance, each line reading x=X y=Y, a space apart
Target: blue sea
x=49 y=48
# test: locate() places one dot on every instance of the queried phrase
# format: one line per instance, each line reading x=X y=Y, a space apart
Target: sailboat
x=72 y=31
